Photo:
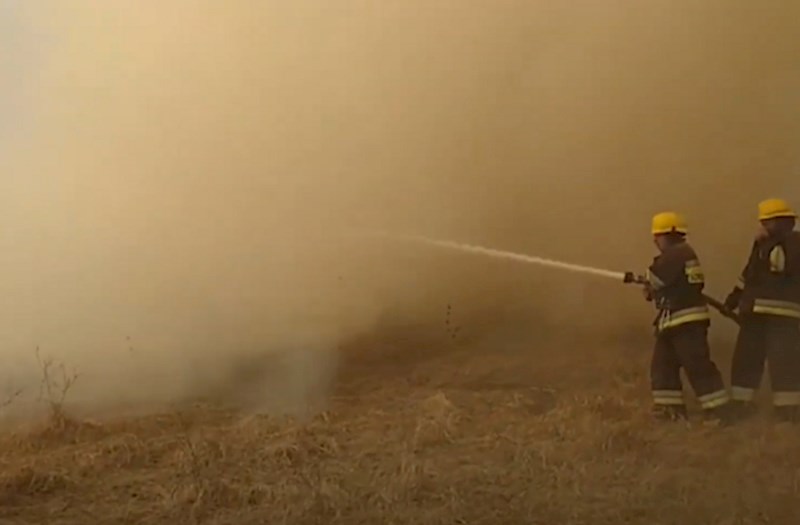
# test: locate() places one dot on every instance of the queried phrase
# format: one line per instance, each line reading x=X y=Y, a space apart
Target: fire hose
x=632 y=278
x=626 y=277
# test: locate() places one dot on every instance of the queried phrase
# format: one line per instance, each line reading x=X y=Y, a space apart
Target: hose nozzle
x=631 y=277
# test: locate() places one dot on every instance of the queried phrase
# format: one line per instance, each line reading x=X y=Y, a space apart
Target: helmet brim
x=778 y=215
x=671 y=230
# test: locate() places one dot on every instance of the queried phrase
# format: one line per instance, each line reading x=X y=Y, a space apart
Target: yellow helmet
x=774 y=208
x=669 y=222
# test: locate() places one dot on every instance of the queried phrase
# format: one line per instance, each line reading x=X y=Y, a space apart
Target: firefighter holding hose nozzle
x=674 y=282
x=767 y=298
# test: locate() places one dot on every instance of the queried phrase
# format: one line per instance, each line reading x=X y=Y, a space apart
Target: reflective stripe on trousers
x=786 y=399
x=668 y=397
x=774 y=307
x=669 y=319
x=779 y=399
x=740 y=393
x=714 y=399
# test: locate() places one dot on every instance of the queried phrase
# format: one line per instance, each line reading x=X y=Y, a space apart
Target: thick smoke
x=176 y=200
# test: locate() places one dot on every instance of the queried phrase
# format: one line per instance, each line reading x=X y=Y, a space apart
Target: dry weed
x=442 y=453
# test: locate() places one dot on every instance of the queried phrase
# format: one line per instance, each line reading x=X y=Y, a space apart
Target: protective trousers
x=685 y=346
x=767 y=338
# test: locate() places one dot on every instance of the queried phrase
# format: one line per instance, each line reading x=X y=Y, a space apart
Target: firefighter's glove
x=647 y=292
x=732 y=301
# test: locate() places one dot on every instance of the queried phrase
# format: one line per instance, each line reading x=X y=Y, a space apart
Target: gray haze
x=176 y=202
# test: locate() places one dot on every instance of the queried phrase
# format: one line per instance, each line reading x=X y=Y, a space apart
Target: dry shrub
x=30 y=482
x=56 y=383
x=9 y=396
x=437 y=422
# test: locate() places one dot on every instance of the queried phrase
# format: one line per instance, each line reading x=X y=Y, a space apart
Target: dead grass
x=456 y=445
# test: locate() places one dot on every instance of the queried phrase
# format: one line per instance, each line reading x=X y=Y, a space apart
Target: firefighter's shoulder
x=679 y=253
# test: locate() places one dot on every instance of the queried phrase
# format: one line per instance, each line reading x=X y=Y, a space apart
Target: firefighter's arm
x=733 y=298
x=664 y=272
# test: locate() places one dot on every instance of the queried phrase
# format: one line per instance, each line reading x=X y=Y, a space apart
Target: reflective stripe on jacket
x=671 y=319
x=677 y=280
x=772 y=307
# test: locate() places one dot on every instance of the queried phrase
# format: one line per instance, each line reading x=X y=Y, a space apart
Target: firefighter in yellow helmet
x=768 y=300
x=675 y=283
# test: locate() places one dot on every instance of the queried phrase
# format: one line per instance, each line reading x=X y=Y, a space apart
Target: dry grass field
x=183 y=182
x=547 y=433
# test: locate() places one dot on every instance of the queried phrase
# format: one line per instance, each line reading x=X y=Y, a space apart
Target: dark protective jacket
x=676 y=280
x=770 y=282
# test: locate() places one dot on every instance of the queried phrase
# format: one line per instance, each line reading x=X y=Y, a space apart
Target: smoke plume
x=177 y=195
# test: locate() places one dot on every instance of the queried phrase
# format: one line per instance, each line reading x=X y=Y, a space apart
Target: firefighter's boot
x=742 y=410
x=724 y=415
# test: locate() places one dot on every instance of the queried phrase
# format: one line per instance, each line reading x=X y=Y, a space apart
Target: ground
x=545 y=432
